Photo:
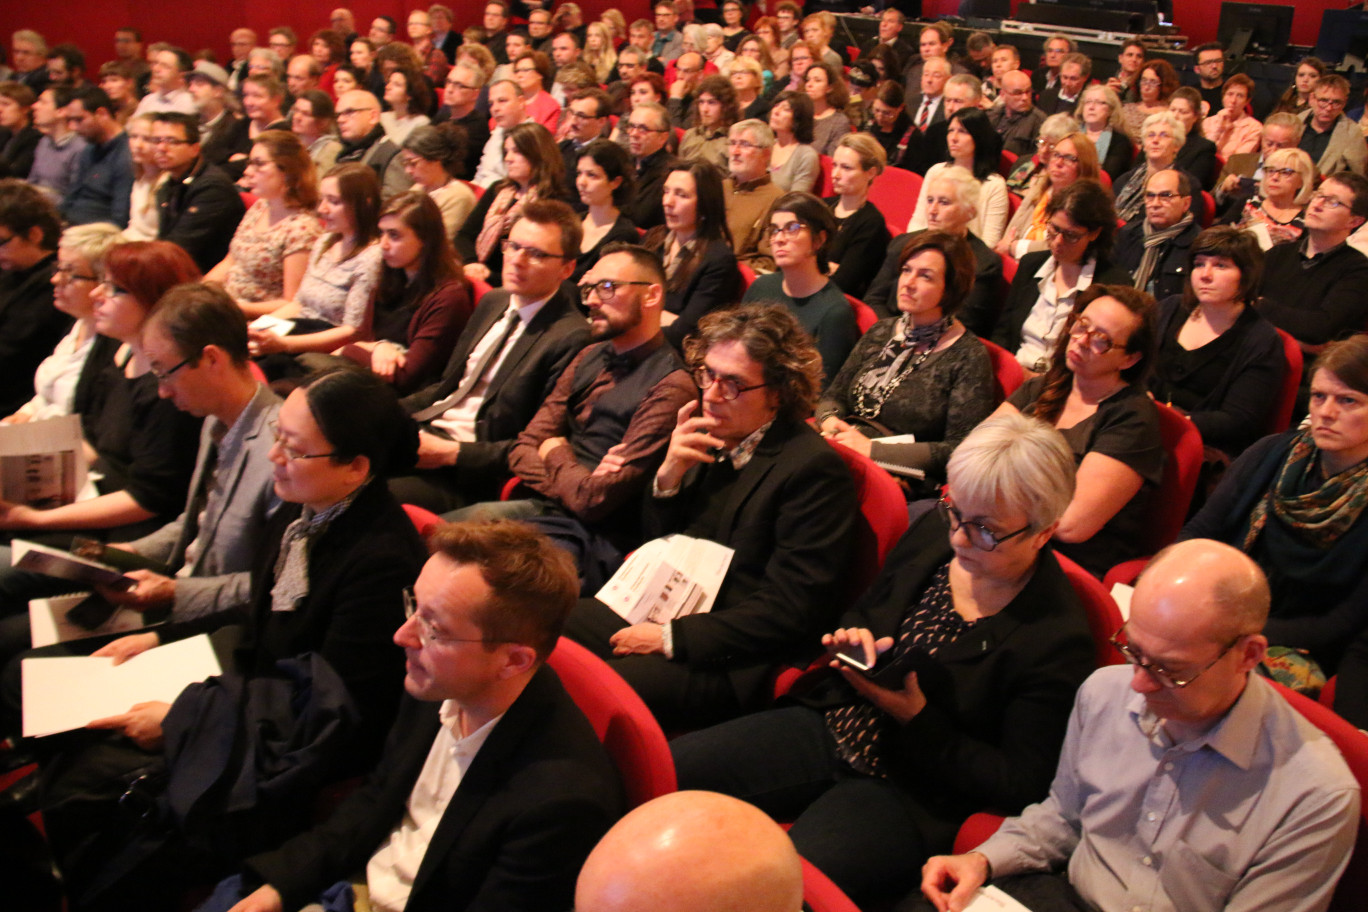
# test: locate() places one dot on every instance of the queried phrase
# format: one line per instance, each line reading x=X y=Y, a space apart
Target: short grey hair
x=966 y=187
x=759 y=131
x=973 y=83
x=659 y=110
x=1287 y=121
x=713 y=30
x=1057 y=126
x=1164 y=118
x=92 y=241
x=1018 y=463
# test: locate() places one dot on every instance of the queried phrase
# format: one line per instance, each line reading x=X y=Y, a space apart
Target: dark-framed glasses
x=606 y=289
x=727 y=387
x=291 y=454
x=980 y=536
x=1162 y=676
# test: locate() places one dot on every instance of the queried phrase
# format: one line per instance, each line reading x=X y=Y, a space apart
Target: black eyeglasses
x=164 y=376
x=291 y=454
x=606 y=290
x=727 y=387
x=1162 y=675
x=513 y=248
x=789 y=229
x=980 y=536
x=427 y=631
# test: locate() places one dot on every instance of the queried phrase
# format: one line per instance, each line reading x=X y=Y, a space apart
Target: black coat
x=979 y=309
x=1170 y=276
x=200 y=212
x=1024 y=293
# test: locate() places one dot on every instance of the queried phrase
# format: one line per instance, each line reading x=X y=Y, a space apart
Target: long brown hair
x=437 y=264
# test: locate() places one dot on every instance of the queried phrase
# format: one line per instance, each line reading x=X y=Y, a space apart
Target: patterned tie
x=923 y=113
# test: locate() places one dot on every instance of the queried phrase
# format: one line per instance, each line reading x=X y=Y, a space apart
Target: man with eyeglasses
x=1313 y=287
x=30 y=327
x=364 y=141
x=1333 y=141
x=1017 y=120
x=507 y=109
x=648 y=131
x=460 y=105
x=104 y=172
x=198 y=206
x=587 y=118
x=749 y=192
x=1186 y=780
x=1046 y=76
x=496 y=15
x=1208 y=61
x=539 y=30
x=1240 y=178
x=493 y=788
x=668 y=42
x=504 y=366
x=743 y=469
x=586 y=457
x=688 y=74
x=1153 y=246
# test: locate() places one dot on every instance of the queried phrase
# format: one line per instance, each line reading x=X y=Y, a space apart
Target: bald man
x=692 y=852
x=363 y=140
x=1210 y=751
x=1017 y=120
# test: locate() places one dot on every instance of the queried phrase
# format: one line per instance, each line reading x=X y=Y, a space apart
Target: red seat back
x=824 y=187
x=621 y=720
x=1104 y=617
x=1008 y=373
x=747 y=274
x=1182 y=463
x=820 y=894
x=865 y=316
x=479 y=288
x=1281 y=418
x=1006 y=162
x=423 y=520
x=895 y=193
x=883 y=510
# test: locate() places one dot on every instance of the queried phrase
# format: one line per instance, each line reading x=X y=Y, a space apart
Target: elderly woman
x=972 y=145
x=1163 y=137
x=1079 y=231
x=794 y=163
x=1073 y=158
x=921 y=373
x=861 y=233
x=801 y=230
x=748 y=82
x=1198 y=154
x=715 y=49
x=1294 y=503
x=432 y=157
x=954 y=201
x=1158 y=81
x=1274 y=215
x=1099 y=110
x=1094 y=394
x=1231 y=128
x=1219 y=361
x=976 y=644
x=714 y=111
x=826 y=87
x=314 y=120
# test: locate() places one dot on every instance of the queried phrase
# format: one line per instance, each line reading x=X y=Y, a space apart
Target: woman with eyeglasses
x=80 y=266
x=314 y=120
x=1275 y=214
x=733 y=24
x=409 y=98
x=1164 y=136
x=1099 y=110
x=270 y=249
x=423 y=300
x=714 y=111
x=801 y=230
x=432 y=157
x=1094 y=394
x=1158 y=81
x=1220 y=362
x=332 y=306
x=920 y=373
x=605 y=179
x=794 y=163
x=1028 y=168
x=972 y=145
x=857 y=250
x=1079 y=231
x=696 y=247
x=144 y=447
x=532 y=72
x=1294 y=503
x=977 y=644
x=536 y=170
x=754 y=49
x=1072 y=159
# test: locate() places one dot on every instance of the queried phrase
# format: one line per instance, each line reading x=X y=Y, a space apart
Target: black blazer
x=200 y=212
x=1120 y=155
x=525 y=379
x=1171 y=275
x=998 y=697
x=1024 y=293
x=979 y=308
x=715 y=282
x=1198 y=158
x=534 y=802
x=790 y=516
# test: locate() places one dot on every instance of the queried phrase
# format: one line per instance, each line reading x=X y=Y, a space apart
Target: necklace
x=903 y=346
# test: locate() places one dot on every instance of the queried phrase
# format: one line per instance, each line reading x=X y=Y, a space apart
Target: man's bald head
x=692 y=852
x=358 y=113
x=1221 y=590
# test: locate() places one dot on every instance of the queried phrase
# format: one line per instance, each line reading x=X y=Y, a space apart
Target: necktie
x=923 y=113
x=504 y=329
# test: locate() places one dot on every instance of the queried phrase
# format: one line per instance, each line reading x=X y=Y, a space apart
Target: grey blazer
x=1347 y=149
x=232 y=523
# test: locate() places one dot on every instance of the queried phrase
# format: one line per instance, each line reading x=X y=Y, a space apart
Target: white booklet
x=68 y=692
x=991 y=899
x=48 y=622
x=667 y=578
x=278 y=325
x=42 y=463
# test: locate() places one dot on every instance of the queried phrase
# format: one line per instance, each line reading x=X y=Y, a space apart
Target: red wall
x=196 y=25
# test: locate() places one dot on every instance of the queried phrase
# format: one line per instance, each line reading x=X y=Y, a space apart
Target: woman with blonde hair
x=1073 y=158
x=1099 y=111
x=1274 y=214
x=616 y=24
x=143 y=214
x=748 y=81
x=270 y=249
x=857 y=251
x=599 y=52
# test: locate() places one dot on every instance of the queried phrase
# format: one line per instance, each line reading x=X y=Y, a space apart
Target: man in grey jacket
x=1334 y=142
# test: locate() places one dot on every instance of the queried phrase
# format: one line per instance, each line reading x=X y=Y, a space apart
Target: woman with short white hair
x=1160 y=139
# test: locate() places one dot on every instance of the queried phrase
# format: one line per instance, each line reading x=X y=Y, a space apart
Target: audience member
x=1239 y=180
x=1231 y=128
x=1208 y=62
x=1158 y=82
x=934 y=41
x=504 y=365
x=1029 y=167
x=1197 y=612
x=423 y=300
x=603 y=185
x=1333 y=141
x=1063 y=98
x=1163 y=137
x=857 y=248
x=1274 y=214
x=689 y=71
x=1081 y=227
x=361 y=55
x=283 y=42
x=270 y=249
x=787 y=509
x=532 y=72
x=539 y=29
x=57 y=157
x=496 y=16
x=1219 y=360
x=802 y=229
x=30 y=327
x=1126 y=81
x=927 y=147
x=119 y=82
x=166 y=91
x=223 y=132
x=1006 y=58
x=794 y=163
x=1153 y=246
x=302 y=73
x=435 y=62
x=586 y=119
x=1017 y=120
x=263 y=103
x=972 y=146
x=382 y=31
x=198 y=206
x=749 y=192
x=314 y=120
x=329 y=50
x=1297 y=98
x=507 y=109
x=28 y=53
x=826 y=87
x=364 y=141
x=444 y=36
x=240 y=44
x=1046 y=76
x=1094 y=394
x=463 y=85
x=1197 y=156
x=143 y=214
x=890 y=35
x=431 y=156
x=1099 y=111
x=920 y=373
x=1072 y=158
x=18 y=137
x=888 y=121
x=648 y=130
x=128 y=49
x=953 y=203
x=925 y=105
x=409 y=98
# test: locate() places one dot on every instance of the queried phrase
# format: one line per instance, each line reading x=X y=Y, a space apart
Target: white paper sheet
x=48 y=623
x=991 y=899
x=667 y=578
x=42 y=463
x=64 y=693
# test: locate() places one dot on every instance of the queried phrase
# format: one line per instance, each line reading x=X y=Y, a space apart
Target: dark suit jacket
x=1050 y=103
x=534 y=802
x=790 y=516
x=30 y=328
x=228 y=137
x=646 y=209
x=913 y=105
x=979 y=308
x=1120 y=155
x=1024 y=293
x=1198 y=158
x=998 y=697
x=525 y=379
x=926 y=147
x=716 y=282
x=200 y=212
x=1171 y=274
